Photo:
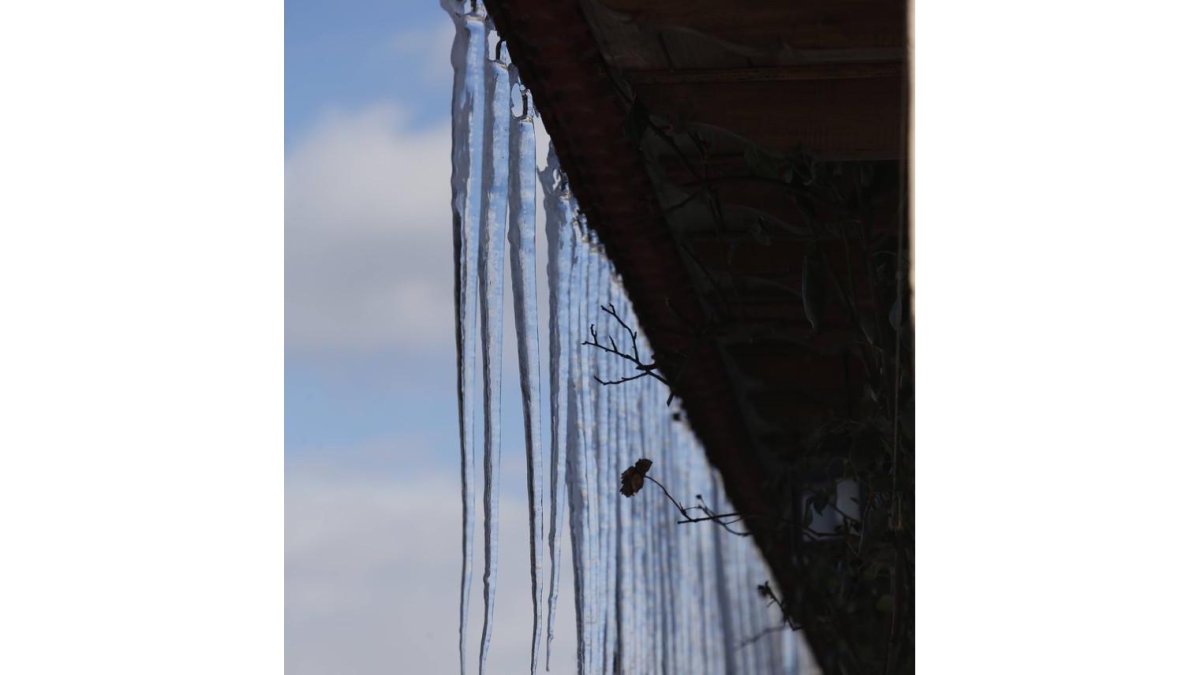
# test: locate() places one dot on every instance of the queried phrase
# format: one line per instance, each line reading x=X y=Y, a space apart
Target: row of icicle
x=651 y=595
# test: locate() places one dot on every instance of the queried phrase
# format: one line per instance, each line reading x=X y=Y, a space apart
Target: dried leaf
x=634 y=477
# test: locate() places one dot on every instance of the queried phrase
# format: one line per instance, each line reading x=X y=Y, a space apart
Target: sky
x=373 y=520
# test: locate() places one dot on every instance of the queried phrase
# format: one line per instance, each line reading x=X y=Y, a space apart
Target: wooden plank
x=816 y=71
x=778 y=24
x=834 y=118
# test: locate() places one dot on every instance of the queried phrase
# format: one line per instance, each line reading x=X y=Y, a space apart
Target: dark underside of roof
x=745 y=166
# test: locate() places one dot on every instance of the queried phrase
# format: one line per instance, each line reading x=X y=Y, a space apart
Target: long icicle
x=574 y=438
x=467 y=114
x=650 y=595
x=522 y=235
x=626 y=606
x=592 y=434
x=580 y=447
x=595 y=437
x=604 y=520
x=499 y=93
x=725 y=594
x=560 y=253
x=609 y=493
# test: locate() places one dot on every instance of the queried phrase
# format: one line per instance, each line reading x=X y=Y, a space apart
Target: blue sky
x=346 y=61
x=372 y=468
x=354 y=53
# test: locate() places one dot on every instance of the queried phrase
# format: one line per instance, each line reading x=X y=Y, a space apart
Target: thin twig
x=765 y=632
x=716 y=516
x=668 y=494
x=683 y=511
x=765 y=590
x=645 y=369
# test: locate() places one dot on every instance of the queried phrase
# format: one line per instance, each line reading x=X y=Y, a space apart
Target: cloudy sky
x=373 y=516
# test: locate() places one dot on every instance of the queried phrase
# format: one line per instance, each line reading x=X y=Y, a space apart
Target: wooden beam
x=852 y=119
x=807 y=72
x=777 y=24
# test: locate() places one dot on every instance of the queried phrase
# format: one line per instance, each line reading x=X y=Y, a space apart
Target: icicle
x=586 y=453
x=704 y=572
x=670 y=538
x=612 y=472
x=499 y=91
x=666 y=537
x=576 y=485
x=725 y=594
x=639 y=588
x=647 y=593
x=558 y=268
x=467 y=111
x=690 y=560
x=522 y=241
x=581 y=468
x=714 y=590
x=744 y=579
x=596 y=559
x=651 y=596
x=606 y=485
x=628 y=526
x=754 y=577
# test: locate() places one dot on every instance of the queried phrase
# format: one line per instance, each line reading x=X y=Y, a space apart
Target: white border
x=141 y=380
x=1056 y=215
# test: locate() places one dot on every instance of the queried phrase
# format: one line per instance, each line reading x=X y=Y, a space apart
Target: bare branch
x=765 y=590
x=765 y=632
x=644 y=369
x=709 y=515
x=668 y=494
x=623 y=379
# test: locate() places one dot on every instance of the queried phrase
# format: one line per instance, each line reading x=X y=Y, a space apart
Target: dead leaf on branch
x=633 y=478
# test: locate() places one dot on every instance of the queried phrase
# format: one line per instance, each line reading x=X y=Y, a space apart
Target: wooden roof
x=663 y=114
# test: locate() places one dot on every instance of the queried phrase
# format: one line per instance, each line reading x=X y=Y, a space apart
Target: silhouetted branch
x=709 y=515
x=644 y=369
x=765 y=590
x=765 y=632
x=674 y=501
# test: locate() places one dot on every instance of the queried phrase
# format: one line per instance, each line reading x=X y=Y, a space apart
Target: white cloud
x=374 y=532
x=368 y=234
x=373 y=570
x=429 y=47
